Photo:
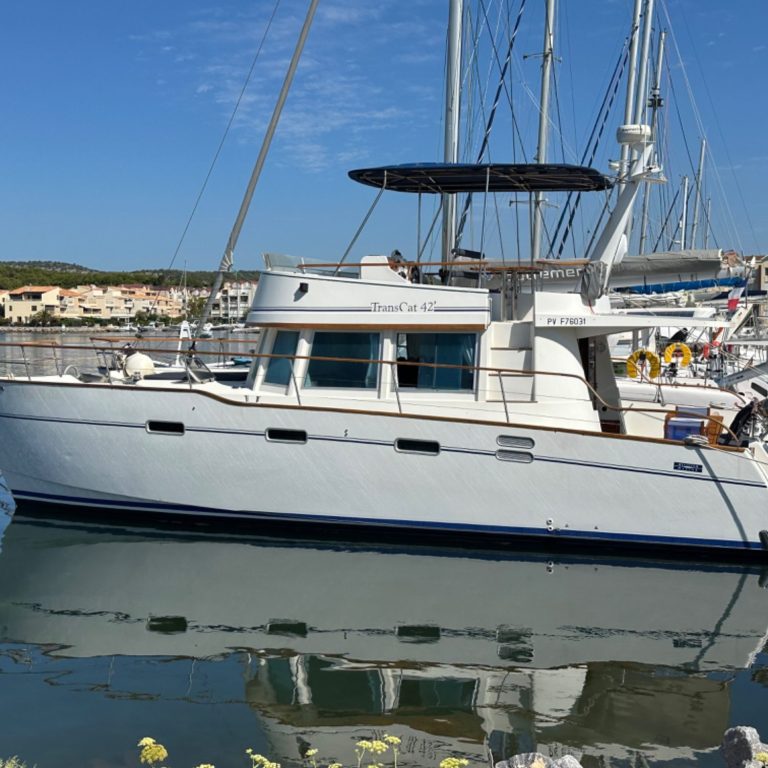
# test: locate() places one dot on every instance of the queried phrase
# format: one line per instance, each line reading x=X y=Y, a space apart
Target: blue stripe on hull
x=585 y=537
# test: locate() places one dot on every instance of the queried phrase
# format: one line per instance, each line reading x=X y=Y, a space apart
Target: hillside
x=14 y=274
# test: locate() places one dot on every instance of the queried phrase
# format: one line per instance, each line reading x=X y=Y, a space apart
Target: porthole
x=286 y=435
x=424 y=447
x=513 y=441
x=518 y=456
x=165 y=427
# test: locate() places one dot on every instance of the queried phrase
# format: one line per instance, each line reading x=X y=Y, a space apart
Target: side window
x=279 y=368
x=446 y=349
x=343 y=373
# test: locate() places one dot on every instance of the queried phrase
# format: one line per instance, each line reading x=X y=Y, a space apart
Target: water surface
x=213 y=642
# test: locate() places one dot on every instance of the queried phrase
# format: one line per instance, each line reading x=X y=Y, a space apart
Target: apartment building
x=121 y=303
x=21 y=304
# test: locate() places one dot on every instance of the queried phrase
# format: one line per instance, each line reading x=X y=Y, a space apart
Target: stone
x=566 y=761
x=739 y=747
x=526 y=760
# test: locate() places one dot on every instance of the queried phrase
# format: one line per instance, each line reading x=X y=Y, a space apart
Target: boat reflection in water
x=456 y=654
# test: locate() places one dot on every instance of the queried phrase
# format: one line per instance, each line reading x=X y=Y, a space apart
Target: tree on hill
x=14 y=274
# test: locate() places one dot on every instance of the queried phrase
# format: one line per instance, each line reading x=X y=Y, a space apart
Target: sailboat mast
x=227 y=258
x=541 y=151
x=640 y=90
x=697 y=193
x=684 y=215
x=452 y=113
x=656 y=103
x=629 y=107
x=708 y=209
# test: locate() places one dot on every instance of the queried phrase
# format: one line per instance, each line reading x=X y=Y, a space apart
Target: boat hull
x=90 y=446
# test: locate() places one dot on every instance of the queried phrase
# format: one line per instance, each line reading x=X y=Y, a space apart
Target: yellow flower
x=453 y=762
x=762 y=757
x=153 y=753
x=259 y=761
x=378 y=747
x=393 y=740
x=206 y=765
x=311 y=752
x=146 y=742
x=335 y=765
x=364 y=744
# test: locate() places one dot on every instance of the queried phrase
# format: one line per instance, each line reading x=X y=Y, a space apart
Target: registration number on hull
x=683 y=467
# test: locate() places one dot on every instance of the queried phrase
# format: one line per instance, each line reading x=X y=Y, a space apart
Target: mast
x=640 y=100
x=697 y=193
x=629 y=107
x=541 y=151
x=452 y=113
x=228 y=257
x=655 y=103
x=684 y=215
x=708 y=209
x=640 y=90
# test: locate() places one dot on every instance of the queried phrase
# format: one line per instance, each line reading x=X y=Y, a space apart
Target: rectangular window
x=449 y=349
x=279 y=368
x=408 y=445
x=165 y=427
x=344 y=373
x=286 y=435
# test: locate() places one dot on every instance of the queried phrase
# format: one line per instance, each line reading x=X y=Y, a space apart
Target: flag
x=733 y=298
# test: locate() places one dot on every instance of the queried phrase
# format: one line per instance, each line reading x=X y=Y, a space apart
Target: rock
x=527 y=760
x=739 y=747
x=566 y=761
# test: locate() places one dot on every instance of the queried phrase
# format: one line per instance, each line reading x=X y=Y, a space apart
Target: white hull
x=88 y=445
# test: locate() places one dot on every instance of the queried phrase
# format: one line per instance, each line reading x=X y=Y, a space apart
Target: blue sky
x=112 y=113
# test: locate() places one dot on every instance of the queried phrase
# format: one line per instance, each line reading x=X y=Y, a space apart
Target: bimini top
x=496 y=177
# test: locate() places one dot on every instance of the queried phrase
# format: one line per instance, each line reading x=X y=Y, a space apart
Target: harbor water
x=213 y=641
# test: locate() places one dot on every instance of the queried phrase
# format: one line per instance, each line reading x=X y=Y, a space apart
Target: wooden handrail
x=479 y=265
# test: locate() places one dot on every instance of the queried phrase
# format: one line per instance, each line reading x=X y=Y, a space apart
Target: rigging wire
x=489 y=123
x=666 y=220
x=700 y=125
x=224 y=136
x=566 y=27
x=594 y=142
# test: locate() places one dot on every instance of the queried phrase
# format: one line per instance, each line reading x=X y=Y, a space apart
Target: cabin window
x=343 y=373
x=279 y=368
x=449 y=349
